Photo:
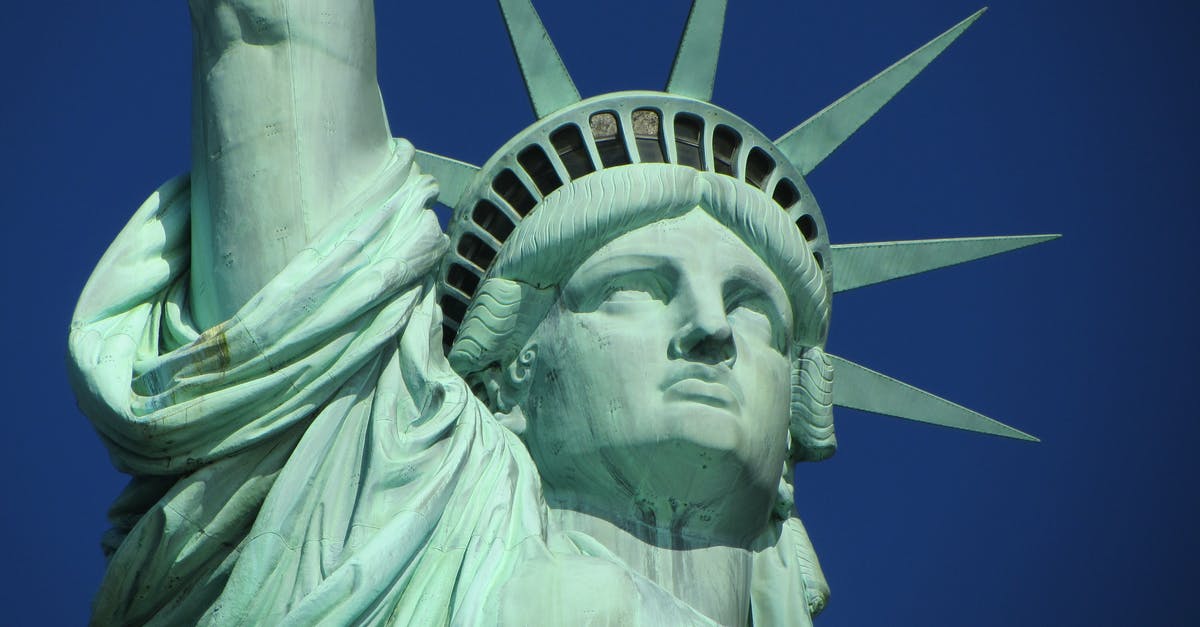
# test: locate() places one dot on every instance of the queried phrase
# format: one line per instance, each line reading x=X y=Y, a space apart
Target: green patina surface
x=584 y=405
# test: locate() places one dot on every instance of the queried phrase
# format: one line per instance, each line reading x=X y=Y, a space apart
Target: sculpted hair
x=577 y=219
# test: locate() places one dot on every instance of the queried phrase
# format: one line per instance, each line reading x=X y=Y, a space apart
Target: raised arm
x=287 y=127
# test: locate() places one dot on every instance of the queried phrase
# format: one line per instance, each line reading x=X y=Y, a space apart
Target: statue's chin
x=699 y=489
x=714 y=428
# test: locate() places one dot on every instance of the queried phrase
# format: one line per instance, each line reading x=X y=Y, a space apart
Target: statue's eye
x=628 y=295
x=635 y=287
x=754 y=314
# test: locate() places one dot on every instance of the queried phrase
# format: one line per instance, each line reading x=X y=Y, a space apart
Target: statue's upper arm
x=288 y=127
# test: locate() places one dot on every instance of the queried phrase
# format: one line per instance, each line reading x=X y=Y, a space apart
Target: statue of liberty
x=583 y=403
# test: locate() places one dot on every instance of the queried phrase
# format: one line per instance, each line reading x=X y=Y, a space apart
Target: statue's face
x=661 y=383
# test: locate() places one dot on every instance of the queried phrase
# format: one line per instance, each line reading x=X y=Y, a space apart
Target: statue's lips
x=705 y=385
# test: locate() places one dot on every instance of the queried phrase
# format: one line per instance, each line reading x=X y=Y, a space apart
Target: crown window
x=647 y=131
x=454 y=309
x=476 y=251
x=460 y=277
x=514 y=192
x=609 y=141
x=726 y=142
x=538 y=165
x=489 y=218
x=808 y=227
x=786 y=194
x=568 y=143
x=688 y=147
x=759 y=166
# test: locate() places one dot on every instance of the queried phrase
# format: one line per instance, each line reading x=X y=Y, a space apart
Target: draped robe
x=314 y=458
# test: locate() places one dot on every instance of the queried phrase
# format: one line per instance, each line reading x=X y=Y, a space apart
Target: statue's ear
x=507 y=388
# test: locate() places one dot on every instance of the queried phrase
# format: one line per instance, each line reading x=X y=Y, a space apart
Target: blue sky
x=1052 y=116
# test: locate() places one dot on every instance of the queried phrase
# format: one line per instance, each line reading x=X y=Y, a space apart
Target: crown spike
x=807 y=145
x=858 y=387
x=546 y=78
x=452 y=176
x=860 y=265
x=694 y=71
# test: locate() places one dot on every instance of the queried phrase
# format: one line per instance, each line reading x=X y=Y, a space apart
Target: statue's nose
x=705 y=335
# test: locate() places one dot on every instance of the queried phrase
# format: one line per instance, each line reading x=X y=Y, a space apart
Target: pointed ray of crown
x=808 y=144
x=695 y=69
x=546 y=78
x=574 y=137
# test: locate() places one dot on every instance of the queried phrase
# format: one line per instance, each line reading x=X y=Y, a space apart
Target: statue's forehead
x=688 y=234
x=693 y=243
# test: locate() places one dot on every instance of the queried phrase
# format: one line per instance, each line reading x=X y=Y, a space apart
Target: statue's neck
x=714 y=579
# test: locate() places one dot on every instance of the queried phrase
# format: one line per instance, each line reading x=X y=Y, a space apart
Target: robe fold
x=314 y=459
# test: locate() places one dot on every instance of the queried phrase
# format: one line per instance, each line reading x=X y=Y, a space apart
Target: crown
x=609 y=131
x=574 y=137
